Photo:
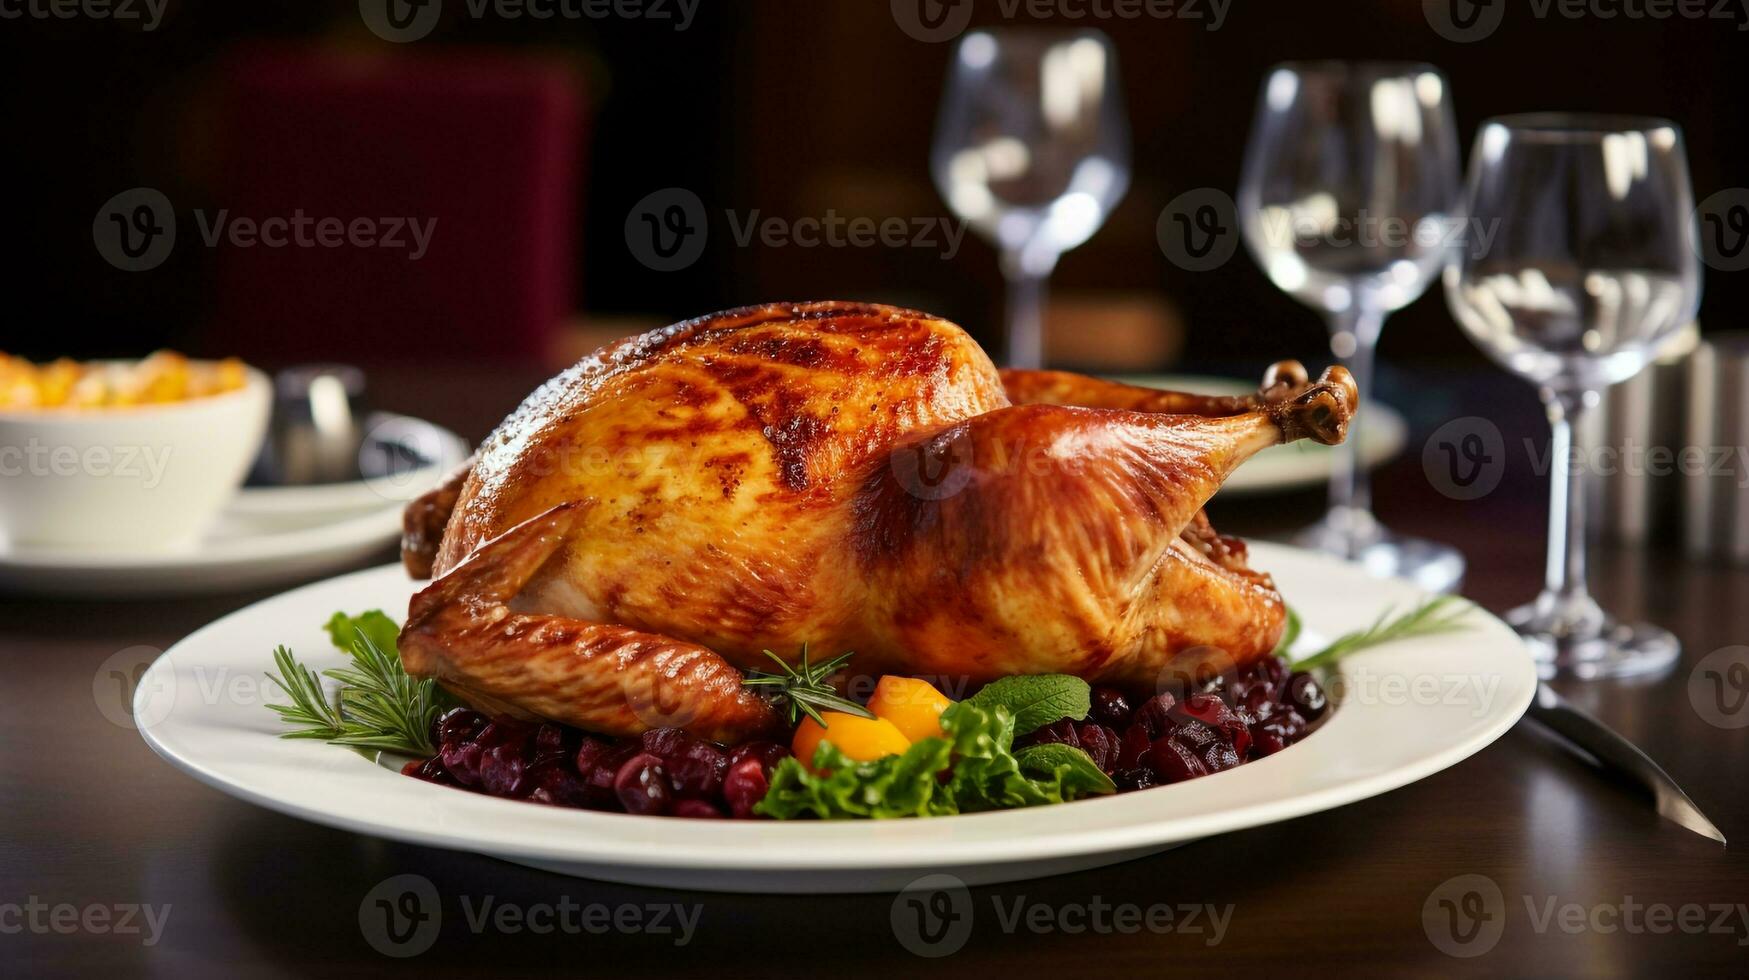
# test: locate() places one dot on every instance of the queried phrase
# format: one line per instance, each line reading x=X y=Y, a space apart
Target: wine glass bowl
x=1032 y=151
x=1348 y=198
x=1584 y=263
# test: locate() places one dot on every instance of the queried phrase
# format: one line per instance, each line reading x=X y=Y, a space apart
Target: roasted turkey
x=856 y=477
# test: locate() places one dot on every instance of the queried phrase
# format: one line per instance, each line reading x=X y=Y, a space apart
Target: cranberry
x=665 y=743
x=1220 y=756
x=744 y=786
x=768 y=754
x=600 y=778
x=590 y=751
x=1258 y=702
x=431 y=770
x=1129 y=780
x=1061 y=731
x=502 y=771
x=642 y=786
x=462 y=760
x=1206 y=708
x=1236 y=731
x=1132 y=747
x=698 y=809
x=554 y=741
x=457 y=725
x=697 y=770
x=1266 y=743
x=504 y=731
x=1155 y=715
x=1110 y=708
x=560 y=786
x=1194 y=734
x=1174 y=762
x=1306 y=696
x=1100 y=743
x=1273 y=668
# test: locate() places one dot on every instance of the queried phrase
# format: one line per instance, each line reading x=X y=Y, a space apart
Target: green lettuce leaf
x=375 y=625
x=984 y=774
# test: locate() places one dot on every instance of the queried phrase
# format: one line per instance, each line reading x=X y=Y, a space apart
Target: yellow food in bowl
x=160 y=378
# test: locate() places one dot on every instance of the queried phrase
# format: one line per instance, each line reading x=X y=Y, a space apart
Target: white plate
x=200 y=706
x=1302 y=464
x=438 y=450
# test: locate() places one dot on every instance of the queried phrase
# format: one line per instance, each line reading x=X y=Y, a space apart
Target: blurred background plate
x=238 y=554
x=1302 y=464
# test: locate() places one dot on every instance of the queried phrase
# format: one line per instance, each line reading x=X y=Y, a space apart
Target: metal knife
x=1620 y=755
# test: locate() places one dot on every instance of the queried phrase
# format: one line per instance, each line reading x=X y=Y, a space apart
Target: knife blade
x=1618 y=754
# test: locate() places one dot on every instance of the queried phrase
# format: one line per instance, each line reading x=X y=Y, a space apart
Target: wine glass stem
x=1026 y=311
x=1564 y=580
x=1354 y=337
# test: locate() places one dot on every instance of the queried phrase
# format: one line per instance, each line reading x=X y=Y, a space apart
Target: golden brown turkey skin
x=856 y=477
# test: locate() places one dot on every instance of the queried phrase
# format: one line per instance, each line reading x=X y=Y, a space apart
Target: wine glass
x=1350 y=189
x=1032 y=150
x=1589 y=263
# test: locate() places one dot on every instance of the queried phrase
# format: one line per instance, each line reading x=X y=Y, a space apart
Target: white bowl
x=127 y=479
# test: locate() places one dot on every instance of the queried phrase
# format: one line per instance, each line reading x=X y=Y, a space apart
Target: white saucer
x=1303 y=464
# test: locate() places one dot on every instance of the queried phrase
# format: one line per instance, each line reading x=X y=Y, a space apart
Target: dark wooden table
x=92 y=823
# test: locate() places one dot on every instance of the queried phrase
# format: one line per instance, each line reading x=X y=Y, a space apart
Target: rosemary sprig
x=378 y=705
x=805 y=688
x=1438 y=615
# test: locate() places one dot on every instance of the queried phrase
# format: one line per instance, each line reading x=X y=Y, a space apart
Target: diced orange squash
x=862 y=739
x=913 y=706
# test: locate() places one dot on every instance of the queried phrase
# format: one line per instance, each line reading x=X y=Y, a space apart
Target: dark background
x=791 y=108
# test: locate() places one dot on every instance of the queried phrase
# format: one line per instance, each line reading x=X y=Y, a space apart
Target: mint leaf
x=375 y=625
x=1067 y=766
x=1036 y=700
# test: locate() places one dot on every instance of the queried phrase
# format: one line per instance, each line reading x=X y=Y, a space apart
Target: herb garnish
x=378 y=705
x=1438 y=615
x=806 y=688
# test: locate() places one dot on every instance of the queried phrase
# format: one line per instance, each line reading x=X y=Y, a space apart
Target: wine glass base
x=1604 y=649
x=1429 y=564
